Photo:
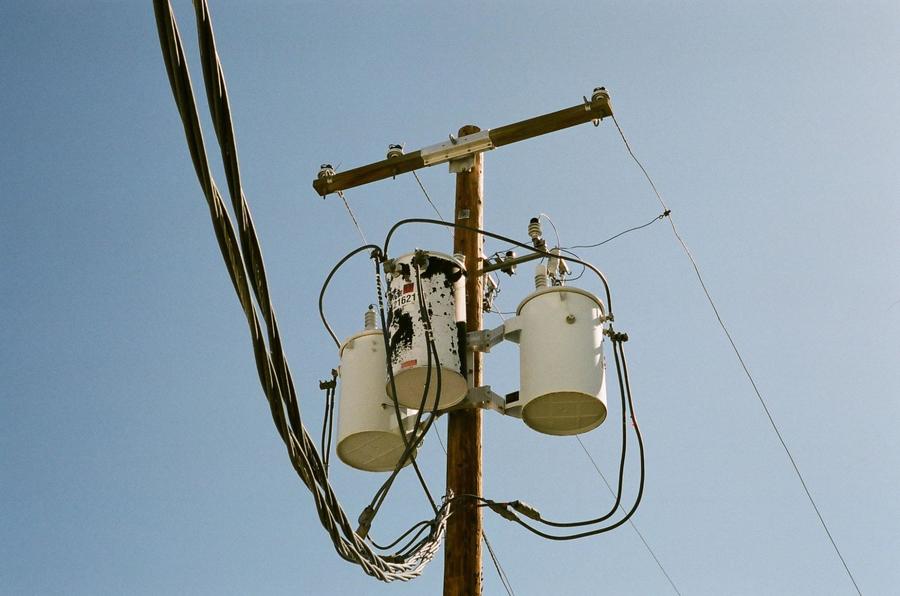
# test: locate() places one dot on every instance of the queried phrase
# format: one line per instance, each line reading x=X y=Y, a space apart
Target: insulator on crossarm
x=534 y=229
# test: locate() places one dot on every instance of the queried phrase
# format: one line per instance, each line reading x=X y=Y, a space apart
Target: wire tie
x=502 y=510
x=365 y=521
x=526 y=510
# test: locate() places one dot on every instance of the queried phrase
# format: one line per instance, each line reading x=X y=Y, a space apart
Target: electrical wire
x=334 y=270
x=552 y=225
x=382 y=492
x=418 y=526
x=243 y=259
x=502 y=574
x=409 y=446
x=328 y=418
x=428 y=197
x=412 y=220
x=622 y=370
x=352 y=216
x=618 y=351
x=618 y=493
x=665 y=213
x=504 y=578
x=740 y=358
x=630 y=521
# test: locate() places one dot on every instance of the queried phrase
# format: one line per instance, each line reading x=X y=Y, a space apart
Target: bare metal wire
x=740 y=358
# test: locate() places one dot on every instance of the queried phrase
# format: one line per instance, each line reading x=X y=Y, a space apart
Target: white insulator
x=534 y=228
x=370 y=318
x=561 y=365
x=540 y=276
x=368 y=434
x=444 y=292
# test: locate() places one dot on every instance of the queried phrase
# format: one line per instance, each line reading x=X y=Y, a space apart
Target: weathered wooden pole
x=462 y=554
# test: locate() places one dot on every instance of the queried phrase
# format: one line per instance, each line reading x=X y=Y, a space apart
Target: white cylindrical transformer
x=561 y=365
x=368 y=434
x=444 y=292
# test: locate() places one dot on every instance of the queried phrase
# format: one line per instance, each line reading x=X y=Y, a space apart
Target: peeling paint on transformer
x=440 y=282
x=401 y=336
x=451 y=271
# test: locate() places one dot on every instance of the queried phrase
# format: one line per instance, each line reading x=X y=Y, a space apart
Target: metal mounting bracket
x=460 y=152
x=484 y=340
x=485 y=399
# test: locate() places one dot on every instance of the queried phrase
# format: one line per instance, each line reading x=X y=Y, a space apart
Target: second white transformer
x=562 y=370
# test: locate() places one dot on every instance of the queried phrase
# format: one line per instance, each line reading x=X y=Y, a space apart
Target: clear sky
x=137 y=454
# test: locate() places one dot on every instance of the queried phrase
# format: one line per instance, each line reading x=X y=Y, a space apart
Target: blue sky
x=137 y=454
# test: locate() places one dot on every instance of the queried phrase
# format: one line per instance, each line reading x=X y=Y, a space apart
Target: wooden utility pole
x=462 y=551
x=462 y=555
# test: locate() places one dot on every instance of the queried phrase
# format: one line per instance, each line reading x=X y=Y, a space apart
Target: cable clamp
x=323 y=385
x=365 y=521
x=526 y=510
x=502 y=509
x=615 y=336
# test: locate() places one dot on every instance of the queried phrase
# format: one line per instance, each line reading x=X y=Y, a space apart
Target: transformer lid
x=559 y=289
x=407 y=257
x=352 y=338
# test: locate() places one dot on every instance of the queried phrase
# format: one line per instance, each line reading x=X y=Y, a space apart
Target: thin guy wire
x=353 y=217
x=504 y=579
x=430 y=202
x=740 y=359
x=630 y=522
x=428 y=198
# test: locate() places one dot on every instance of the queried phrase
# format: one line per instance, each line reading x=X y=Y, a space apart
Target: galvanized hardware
x=509 y=263
x=491 y=289
x=484 y=398
x=456 y=148
x=484 y=340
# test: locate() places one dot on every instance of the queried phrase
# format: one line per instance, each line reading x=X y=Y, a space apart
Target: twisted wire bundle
x=243 y=260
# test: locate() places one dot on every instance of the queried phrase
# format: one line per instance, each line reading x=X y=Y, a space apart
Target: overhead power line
x=353 y=217
x=740 y=358
x=243 y=259
x=665 y=213
x=504 y=579
x=630 y=521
